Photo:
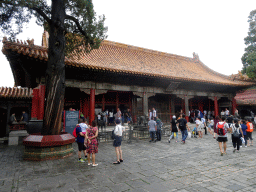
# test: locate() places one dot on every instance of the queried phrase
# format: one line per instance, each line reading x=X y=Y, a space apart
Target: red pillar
x=216 y=108
x=92 y=106
x=41 y=102
x=201 y=107
x=35 y=107
x=233 y=106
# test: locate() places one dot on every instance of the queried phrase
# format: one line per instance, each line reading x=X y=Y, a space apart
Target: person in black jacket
x=174 y=129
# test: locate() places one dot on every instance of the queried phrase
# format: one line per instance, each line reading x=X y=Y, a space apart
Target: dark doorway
x=3 y=121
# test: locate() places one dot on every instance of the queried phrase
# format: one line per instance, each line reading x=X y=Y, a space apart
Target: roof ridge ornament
x=195 y=57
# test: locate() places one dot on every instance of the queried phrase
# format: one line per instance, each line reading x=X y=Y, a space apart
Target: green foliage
x=249 y=57
x=83 y=31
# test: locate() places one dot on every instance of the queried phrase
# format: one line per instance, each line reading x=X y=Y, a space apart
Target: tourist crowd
x=241 y=132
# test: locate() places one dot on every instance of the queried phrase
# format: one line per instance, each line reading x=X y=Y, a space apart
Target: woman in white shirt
x=117 y=142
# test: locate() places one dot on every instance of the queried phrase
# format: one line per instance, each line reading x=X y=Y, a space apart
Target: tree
x=249 y=57
x=72 y=28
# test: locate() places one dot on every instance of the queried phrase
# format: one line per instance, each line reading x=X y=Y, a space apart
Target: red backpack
x=220 y=129
x=74 y=132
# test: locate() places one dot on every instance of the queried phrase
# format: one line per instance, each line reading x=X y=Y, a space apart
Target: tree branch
x=39 y=11
x=77 y=24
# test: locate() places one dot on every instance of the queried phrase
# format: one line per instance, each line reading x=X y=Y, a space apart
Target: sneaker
x=81 y=161
x=234 y=150
x=169 y=140
x=94 y=165
x=89 y=163
x=245 y=146
x=241 y=146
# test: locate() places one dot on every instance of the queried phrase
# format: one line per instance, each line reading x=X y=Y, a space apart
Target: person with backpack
x=222 y=129
x=249 y=131
x=80 y=131
x=174 y=129
x=236 y=130
x=159 y=125
x=183 y=126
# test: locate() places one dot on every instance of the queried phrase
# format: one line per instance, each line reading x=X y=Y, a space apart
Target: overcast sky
x=215 y=30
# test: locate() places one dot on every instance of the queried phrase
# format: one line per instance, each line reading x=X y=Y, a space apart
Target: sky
x=215 y=30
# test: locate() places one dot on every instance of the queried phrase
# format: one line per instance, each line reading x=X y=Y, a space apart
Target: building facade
x=123 y=76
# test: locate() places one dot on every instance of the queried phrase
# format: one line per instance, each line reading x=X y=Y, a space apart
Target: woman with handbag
x=92 y=143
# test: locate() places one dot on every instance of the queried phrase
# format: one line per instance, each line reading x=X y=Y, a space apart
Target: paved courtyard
x=162 y=166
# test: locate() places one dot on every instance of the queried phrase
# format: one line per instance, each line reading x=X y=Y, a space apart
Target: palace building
x=124 y=76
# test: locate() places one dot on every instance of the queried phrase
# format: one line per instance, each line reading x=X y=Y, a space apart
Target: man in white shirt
x=227 y=112
x=111 y=117
x=154 y=113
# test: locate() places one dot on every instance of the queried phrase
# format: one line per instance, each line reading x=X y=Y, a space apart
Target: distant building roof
x=16 y=92
x=122 y=58
x=247 y=97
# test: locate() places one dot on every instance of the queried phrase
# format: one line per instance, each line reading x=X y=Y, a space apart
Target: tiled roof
x=16 y=92
x=121 y=58
x=247 y=97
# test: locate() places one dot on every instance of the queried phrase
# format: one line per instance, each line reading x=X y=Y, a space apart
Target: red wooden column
x=92 y=106
x=35 y=104
x=233 y=106
x=216 y=108
x=41 y=102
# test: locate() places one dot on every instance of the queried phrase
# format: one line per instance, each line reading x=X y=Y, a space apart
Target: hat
x=174 y=116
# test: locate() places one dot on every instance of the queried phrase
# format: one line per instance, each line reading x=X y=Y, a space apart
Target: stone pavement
x=162 y=166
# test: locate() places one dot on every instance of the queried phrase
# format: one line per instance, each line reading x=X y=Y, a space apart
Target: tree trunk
x=55 y=73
